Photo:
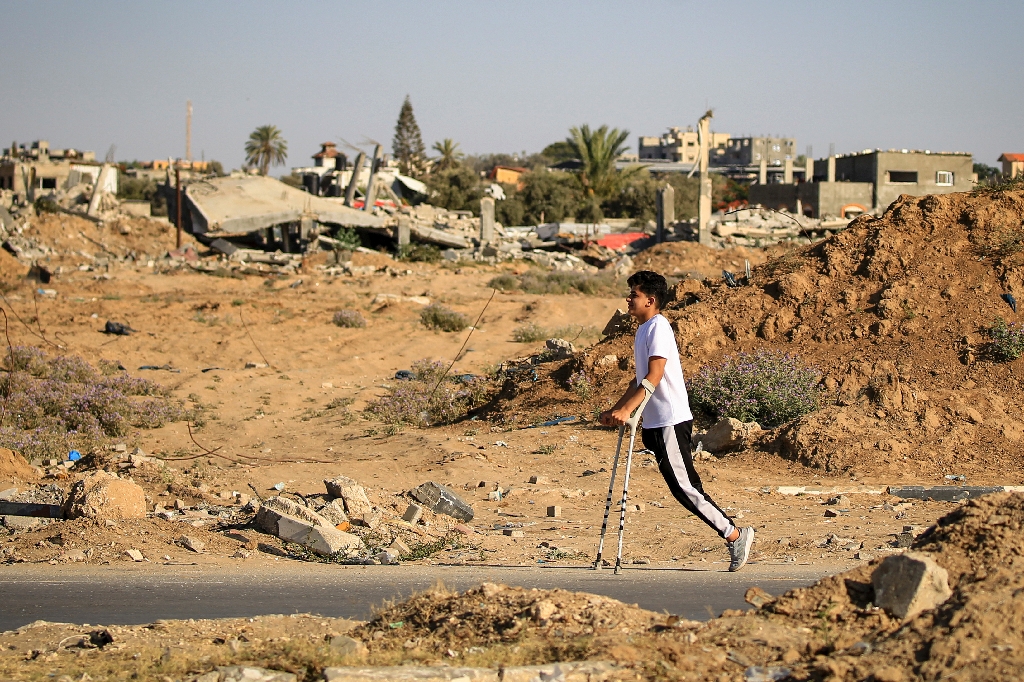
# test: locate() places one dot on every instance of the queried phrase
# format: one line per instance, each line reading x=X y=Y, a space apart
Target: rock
x=101 y=495
x=192 y=544
x=728 y=433
x=620 y=323
x=559 y=349
x=412 y=514
x=543 y=610
x=539 y=480
x=306 y=527
x=554 y=511
x=909 y=583
x=904 y=540
x=334 y=512
x=73 y=556
x=17 y=524
x=831 y=513
x=245 y=673
x=351 y=493
x=757 y=597
x=463 y=528
x=442 y=500
x=608 y=361
x=134 y=555
x=347 y=646
x=387 y=557
x=370 y=519
x=400 y=548
x=513 y=533
x=265 y=517
x=494 y=496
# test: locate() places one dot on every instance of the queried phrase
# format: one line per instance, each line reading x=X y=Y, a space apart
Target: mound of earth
x=14 y=467
x=690 y=259
x=894 y=311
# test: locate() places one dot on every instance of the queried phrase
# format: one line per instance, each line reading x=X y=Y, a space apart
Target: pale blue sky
x=510 y=76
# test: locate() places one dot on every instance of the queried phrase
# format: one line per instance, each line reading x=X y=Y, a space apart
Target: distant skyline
x=941 y=75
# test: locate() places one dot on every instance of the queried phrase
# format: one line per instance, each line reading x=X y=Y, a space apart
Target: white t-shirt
x=670 y=405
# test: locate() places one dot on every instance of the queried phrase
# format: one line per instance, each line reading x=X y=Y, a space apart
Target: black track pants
x=671 y=448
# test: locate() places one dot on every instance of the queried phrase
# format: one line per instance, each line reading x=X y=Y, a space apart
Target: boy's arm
x=632 y=398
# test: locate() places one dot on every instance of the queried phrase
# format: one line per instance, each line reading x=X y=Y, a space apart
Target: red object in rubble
x=617 y=241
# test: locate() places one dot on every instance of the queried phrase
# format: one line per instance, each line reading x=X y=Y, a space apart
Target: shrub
x=580 y=385
x=428 y=399
x=64 y=403
x=349 y=238
x=769 y=387
x=505 y=282
x=529 y=333
x=420 y=253
x=437 y=316
x=1007 y=339
x=349 y=318
x=566 y=281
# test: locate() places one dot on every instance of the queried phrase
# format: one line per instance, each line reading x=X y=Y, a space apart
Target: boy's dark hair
x=652 y=284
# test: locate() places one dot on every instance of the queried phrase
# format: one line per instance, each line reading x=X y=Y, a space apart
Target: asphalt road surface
x=142 y=594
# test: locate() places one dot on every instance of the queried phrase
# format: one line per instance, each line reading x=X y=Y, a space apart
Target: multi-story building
x=680 y=146
x=26 y=170
x=749 y=151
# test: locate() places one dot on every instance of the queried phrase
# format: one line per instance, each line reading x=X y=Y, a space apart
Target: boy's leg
x=671 y=448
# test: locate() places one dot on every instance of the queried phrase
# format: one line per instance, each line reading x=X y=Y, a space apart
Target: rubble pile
x=757 y=227
x=894 y=311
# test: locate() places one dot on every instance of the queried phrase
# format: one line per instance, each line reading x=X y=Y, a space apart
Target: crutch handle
x=634 y=417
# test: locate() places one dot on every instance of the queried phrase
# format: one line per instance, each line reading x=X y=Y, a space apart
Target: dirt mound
x=690 y=259
x=14 y=466
x=894 y=311
x=493 y=614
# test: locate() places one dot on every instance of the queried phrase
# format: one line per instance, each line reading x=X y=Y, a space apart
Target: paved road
x=109 y=596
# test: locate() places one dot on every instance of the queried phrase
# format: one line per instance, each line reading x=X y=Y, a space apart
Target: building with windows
x=28 y=169
x=680 y=146
x=749 y=151
x=869 y=181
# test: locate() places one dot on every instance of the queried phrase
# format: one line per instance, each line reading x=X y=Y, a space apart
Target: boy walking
x=667 y=421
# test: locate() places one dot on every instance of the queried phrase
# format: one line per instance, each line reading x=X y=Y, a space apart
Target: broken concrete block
x=494 y=496
x=334 y=512
x=101 y=495
x=728 y=433
x=387 y=557
x=192 y=544
x=353 y=495
x=554 y=511
x=909 y=583
x=272 y=506
x=442 y=500
x=608 y=361
x=559 y=349
x=400 y=548
x=247 y=673
x=463 y=528
x=513 y=533
x=347 y=646
x=539 y=480
x=134 y=555
x=323 y=540
x=17 y=524
x=412 y=513
x=370 y=519
x=757 y=597
x=620 y=323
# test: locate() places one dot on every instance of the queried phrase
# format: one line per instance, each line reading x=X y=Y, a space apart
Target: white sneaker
x=739 y=549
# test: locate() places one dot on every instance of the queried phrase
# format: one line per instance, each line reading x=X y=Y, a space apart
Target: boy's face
x=639 y=304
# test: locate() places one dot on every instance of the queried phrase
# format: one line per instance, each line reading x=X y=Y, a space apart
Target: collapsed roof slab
x=242 y=205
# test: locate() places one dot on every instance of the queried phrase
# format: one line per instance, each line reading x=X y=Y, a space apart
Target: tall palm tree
x=597 y=150
x=265 y=148
x=450 y=154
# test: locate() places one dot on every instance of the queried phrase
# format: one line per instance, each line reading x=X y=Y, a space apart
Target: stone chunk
x=334 y=512
x=513 y=533
x=554 y=511
x=134 y=555
x=442 y=500
x=192 y=544
x=539 y=480
x=247 y=673
x=400 y=548
x=387 y=557
x=909 y=583
x=559 y=349
x=757 y=597
x=351 y=493
x=101 y=495
x=619 y=323
x=17 y=524
x=728 y=433
x=323 y=540
x=347 y=646
x=412 y=513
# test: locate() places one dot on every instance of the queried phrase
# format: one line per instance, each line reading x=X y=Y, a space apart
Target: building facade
x=27 y=170
x=1013 y=164
x=680 y=146
x=749 y=151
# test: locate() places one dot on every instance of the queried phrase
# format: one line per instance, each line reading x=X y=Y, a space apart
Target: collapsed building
x=30 y=171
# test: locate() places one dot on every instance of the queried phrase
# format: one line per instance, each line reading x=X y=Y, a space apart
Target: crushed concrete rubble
x=293 y=522
x=103 y=495
x=442 y=500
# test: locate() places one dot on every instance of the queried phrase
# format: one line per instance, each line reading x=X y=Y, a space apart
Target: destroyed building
x=32 y=170
x=867 y=181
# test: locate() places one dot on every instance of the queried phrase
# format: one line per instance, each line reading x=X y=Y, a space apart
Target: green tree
x=266 y=148
x=457 y=189
x=548 y=197
x=407 y=144
x=450 y=155
x=598 y=178
x=557 y=152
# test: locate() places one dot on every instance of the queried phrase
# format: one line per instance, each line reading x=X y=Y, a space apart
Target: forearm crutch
x=632 y=422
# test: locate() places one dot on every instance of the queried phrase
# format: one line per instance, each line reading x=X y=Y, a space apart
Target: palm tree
x=450 y=154
x=597 y=151
x=265 y=148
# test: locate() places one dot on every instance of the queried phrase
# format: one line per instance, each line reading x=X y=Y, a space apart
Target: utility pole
x=704 y=198
x=188 y=131
x=177 y=206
